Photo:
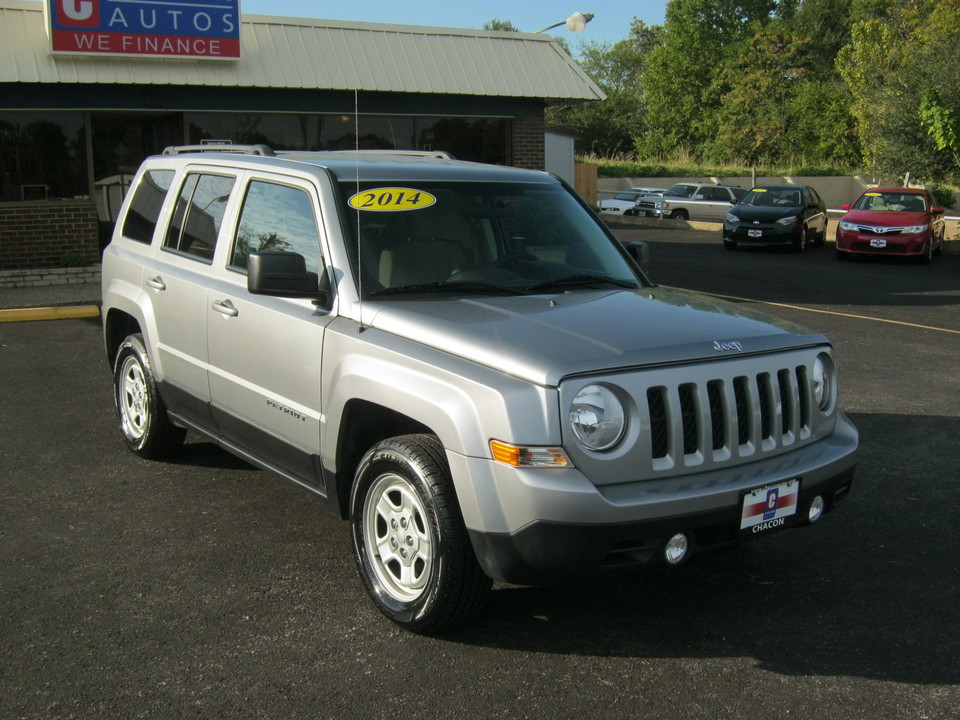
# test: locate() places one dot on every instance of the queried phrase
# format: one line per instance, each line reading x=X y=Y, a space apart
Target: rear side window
x=277 y=218
x=197 y=218
x=144 y=211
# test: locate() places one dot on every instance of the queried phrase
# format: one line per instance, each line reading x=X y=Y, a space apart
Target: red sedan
x=895 y=221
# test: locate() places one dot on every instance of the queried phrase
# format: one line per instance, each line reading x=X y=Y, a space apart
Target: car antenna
x=356 y=147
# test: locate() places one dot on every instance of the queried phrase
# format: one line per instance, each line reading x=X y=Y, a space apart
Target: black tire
x=409 y=539
x=803 y=241
x=680 y=215
x=140 y=410
x=729 y=244
x=821 y=236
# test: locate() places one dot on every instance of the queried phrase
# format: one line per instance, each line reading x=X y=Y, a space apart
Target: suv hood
x=544 y=338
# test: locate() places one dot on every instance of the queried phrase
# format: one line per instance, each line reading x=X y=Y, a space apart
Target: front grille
x=725 y=418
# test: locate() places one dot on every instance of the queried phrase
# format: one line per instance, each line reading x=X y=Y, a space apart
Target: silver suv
x=691 y=201
x=463 y=362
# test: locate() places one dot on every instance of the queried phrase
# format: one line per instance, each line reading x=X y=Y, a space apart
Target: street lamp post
x=575 y=23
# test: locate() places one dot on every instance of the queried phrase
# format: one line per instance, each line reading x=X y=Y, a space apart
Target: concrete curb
x=67 y=312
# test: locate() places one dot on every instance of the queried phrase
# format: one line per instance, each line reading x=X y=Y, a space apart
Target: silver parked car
x=463 y=362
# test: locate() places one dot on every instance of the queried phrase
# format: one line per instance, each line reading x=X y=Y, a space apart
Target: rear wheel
x=409 y=540
x=140 y=409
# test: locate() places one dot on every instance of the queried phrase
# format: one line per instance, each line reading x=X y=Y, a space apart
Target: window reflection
x=277 y=218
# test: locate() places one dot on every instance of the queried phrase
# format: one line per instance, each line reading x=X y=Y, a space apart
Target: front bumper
x=542 y=532
x=763 y=234
x=896 y=244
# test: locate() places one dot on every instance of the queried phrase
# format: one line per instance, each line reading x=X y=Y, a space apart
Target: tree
x=678 y=86
x=500 y=25
x=761 y=83
x=899 y=53
x=609 y=127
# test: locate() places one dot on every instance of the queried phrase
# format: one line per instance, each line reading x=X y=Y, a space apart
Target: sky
x=611 y=22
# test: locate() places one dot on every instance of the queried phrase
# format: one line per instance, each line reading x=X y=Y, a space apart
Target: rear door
x=176 y=281
x=265 y=352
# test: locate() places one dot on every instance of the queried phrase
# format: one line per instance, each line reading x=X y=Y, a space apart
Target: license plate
x=878 y=243
x=768 y=507
x=754 y=233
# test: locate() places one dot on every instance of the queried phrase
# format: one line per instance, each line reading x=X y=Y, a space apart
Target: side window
x=279 y=218
x=198 y=215
x=144 y=211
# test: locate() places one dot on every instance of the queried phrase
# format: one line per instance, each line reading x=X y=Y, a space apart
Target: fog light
x=676 y=549
x=816 y=509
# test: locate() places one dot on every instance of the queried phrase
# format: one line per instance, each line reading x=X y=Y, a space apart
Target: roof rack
x=218 y=147
x=443 y=154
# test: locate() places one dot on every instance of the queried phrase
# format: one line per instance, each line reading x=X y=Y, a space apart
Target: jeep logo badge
x=730 y=346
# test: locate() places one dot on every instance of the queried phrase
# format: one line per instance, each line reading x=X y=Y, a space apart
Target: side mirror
x=845 y=206
x=640 y=252
x=281 y=274
x=936 y=210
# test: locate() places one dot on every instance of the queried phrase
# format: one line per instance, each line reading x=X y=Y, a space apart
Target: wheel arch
x=118 y=325
x=362 y=425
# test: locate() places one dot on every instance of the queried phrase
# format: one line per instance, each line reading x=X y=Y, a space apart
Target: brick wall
x=41 y=235
x=528 y=142
x=49 y=276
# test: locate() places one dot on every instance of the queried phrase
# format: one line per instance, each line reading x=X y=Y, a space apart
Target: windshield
x=773 y=197
x=892 y=201
x=683 y=191
x=627 y=196
x=501 y=238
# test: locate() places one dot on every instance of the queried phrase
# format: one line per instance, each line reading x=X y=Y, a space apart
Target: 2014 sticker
x=391 y=199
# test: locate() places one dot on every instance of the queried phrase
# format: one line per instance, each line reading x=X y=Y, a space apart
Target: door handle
x=156 y=283
x=225 y=307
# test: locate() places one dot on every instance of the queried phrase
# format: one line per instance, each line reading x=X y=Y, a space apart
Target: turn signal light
x=541 y=457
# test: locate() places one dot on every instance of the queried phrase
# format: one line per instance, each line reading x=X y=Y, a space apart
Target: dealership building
x=88 y=88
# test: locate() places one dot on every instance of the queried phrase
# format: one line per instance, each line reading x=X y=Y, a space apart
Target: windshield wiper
x=445 y=286
x=581 y=281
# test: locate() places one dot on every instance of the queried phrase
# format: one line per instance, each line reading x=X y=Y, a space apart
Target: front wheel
x=409 y=540
x=680 y=215
x=803 y=240
x=140 y=409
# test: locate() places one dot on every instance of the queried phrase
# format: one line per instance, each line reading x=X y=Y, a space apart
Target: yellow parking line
x=837 y=314
x=49 y=313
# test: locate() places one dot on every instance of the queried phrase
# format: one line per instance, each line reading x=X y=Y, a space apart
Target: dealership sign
x=207 y=29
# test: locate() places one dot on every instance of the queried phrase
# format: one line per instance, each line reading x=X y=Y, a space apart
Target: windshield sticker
x=391 y=199
x=873 y=194
x=759 y=189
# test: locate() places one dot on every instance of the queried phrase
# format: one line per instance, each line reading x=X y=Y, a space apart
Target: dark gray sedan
x=792 y=215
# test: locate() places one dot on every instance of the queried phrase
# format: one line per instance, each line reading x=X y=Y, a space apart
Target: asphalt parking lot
x=201 y=587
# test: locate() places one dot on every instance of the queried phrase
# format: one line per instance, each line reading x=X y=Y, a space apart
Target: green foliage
x=73 y=260
x=679 y=168
x=943 y=196
x=500 y=25
x=903 y=71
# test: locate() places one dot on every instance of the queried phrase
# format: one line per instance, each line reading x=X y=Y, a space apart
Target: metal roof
x=318 y=54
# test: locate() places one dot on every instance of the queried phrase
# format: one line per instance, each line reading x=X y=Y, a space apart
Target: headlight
x=788 y=220
x=824 y=382
x=597 y=417
x=731 y=218
x=916 y=229
x=844 y=225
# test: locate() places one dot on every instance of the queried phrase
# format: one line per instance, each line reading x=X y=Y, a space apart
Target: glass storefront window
x=478 y=139
x=42 y=156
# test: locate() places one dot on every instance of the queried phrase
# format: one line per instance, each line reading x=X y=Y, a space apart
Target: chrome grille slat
x=725 y=418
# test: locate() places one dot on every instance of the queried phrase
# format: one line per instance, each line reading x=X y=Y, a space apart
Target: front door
x=265 y=352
